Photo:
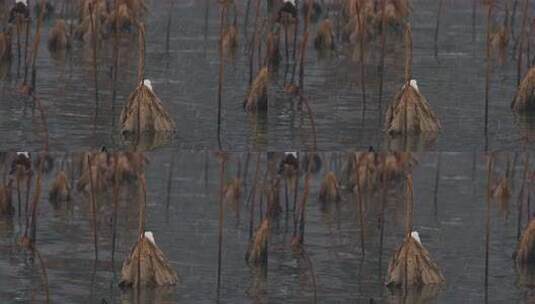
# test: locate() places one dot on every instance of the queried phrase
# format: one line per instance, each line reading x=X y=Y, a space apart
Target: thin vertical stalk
x=221 y=222
x=488 y=67
x=360 y=206
x=253 y=197
x=437 y=26
x=522 y=41
x=221 y=73
x=93 y=205
x=437 y=182
x=490 y=166
x=115 y=198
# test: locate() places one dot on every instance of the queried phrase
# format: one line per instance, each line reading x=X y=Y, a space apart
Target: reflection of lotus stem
x=437 y=27
x=521 y=195
x=253 y=43
x=437 y=182
x=490 y=165
x=253 y=196
x=361 y=24
x=383 y=47
x=487 y=79
x=304 y=46
x=221 y=71
x=37 y=41
x=115 y=199
x=360 y=206
x=221 y=221
x=521 y=42
x=382 y=214
x=141 y=232
x=93 y=204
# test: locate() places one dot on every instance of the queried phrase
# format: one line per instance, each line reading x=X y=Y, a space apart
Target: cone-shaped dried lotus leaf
x=60 y=190
x=411 y=264
x=230 y=39
x=58 y=38
x=410 y=113
x=6 y=206
x=145 y=113
x=329 y=191
x=524 y=100
x=154 y=268
x=325 y=36
x=5 y=46
x=257 y=251
x=257 y=94
x=525 y=250
x=232 y=192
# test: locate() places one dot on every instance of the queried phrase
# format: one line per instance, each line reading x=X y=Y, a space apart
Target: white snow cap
x=147 y=83
x=414 y=84
x=148 y=235
x=416 y=236
x=290 y=1
x=294 y=154
x=26 y=154
x=25 y=2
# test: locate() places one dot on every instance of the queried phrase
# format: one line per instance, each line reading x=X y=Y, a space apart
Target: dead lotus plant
x=6 y=204
x=325 y=38
x=147 y=265
x=59 y=38
x=525 y=249
x=411 y=264
x=60 y=190
x=232 y=192
x=330 y=189
x=257 y=99
x=409 y=112
x=524 y=100
x=257 y=252
x=5 y=46
x=144 y=112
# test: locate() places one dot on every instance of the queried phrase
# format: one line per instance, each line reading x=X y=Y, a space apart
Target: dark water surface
x=452 y=228
x=185 y=78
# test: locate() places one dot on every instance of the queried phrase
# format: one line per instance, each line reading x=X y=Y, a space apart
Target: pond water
x=182 y=212
x=185 y=77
